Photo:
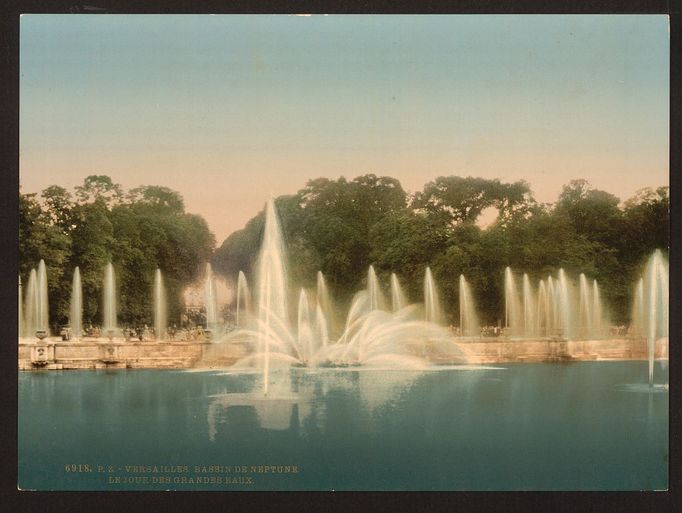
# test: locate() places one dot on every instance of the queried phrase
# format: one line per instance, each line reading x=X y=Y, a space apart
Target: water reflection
x=555 y=426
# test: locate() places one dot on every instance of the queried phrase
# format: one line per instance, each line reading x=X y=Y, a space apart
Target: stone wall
x=98 y=354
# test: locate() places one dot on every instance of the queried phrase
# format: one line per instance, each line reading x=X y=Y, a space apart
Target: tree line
x=137 y=230
x=342 y=226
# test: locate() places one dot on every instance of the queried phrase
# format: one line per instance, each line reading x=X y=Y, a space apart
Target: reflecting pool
x=558 y=426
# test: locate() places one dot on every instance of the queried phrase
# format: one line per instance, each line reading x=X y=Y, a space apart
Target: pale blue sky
x=228 y=109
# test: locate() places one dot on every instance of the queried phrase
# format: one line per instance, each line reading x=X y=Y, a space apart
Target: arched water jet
x=432 y=309
x=160 y=315
x=76 y=306
x=468 y=320
x=109 y=321
x=398 y=300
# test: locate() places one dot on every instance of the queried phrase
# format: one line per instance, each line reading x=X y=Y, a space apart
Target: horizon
x=229 y=109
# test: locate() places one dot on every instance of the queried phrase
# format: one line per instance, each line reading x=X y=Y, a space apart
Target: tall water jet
x=511 y=303
x=552 y=307
x=305 y=335
x=43 y=320
x=109 y=299
x=376 y=301
x=637 y=324
x=160 y=312
x=272 y=291
x=243 y=296
x=584 y=307
x=564 y=305
x=529 y=308
x=468 y=320
x=31 y=305
x=543 y=312
x=398 y=300
x=324 y=300
x=210 y=298
x=76 y=306
x=598 y=320
x=321 y=327
x=22 y=330
x=431 y=302
x=655 y=291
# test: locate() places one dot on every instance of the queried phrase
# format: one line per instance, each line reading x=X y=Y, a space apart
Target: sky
x=229 y=110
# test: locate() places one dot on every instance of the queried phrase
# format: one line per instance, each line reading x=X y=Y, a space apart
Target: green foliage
x=145 y=229
x=341 y=227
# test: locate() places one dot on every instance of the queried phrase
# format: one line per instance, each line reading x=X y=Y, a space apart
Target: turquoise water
x=575 y=426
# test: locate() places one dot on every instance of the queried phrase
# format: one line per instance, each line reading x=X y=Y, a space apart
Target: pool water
x=549 y=426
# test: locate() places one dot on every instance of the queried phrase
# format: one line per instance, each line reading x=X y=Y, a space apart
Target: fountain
x=511 y=304
x=468 y=321
x=243 y=296
x=272 y=293
x=529 y=309
x=210 y=298
x=398 y=300
x=371 y=335
x=584 y=308
x=31 y=304
x=76 y=307
x=376 y=298
x=22 y=327
x=432 y=309
x=598 y=320
x=324 y=299
x=109 y=300
x=160 y=316
x=305 y=334
x=650 y=310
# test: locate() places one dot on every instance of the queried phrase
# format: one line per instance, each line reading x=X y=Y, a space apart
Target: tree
x=455 y=199
x=99 y=188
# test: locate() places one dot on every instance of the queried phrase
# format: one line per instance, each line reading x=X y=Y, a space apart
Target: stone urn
x=41 y=334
